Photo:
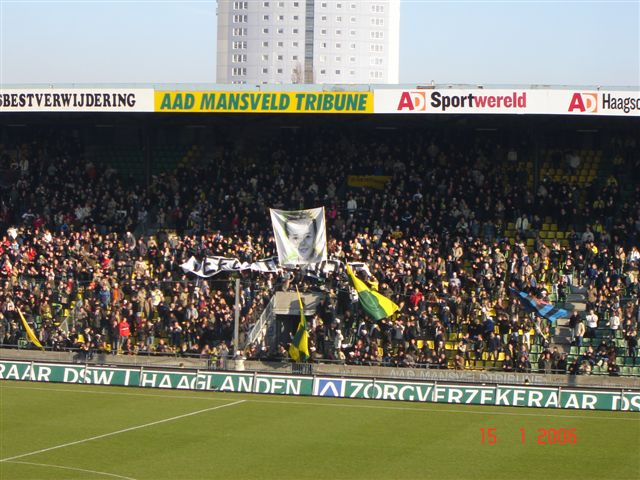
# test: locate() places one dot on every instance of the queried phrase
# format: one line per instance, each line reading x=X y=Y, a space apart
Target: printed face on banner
x=300 y=236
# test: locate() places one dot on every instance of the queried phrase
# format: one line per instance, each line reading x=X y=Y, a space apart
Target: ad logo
x=584 y=102
x=413 y=101
x=329 y=388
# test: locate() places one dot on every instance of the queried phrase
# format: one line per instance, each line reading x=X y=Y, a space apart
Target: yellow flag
x=30 y=334
x=299 y=349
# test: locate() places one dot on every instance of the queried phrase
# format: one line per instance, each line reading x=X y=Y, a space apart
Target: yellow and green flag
x=30 y=334
x=375 y=305
x=299 y=349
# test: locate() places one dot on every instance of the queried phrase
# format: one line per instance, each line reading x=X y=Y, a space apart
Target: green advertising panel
x=500 y=395
x=383 y=390
x=515 y=396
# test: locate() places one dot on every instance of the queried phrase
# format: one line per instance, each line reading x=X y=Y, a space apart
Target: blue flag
x=546 y=310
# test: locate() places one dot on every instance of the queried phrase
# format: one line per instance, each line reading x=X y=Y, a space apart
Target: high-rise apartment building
x=308 y=41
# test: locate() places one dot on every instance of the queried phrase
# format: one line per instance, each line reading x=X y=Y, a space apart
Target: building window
x=352 y=32
x=338 y=32
x=265 y=57
x=323 y=18
x=376 y=47
x=294 y=57
x=323 y=31
x=352 y=59
x=375 y=61
x=338 y=59
x=281 y=30
x=240 y=18
x=338 y=72
x=323 y=72
x=296 y=4
x=295 y=30
x=338 y=5
x=377 y=35
x=377 y=8
x=265 y=70
x=281 y=4
x=338 y=45
x=378 y=22
x=353 y=6
x=280 y=44
x=279 y=70
x=265 y=30
x=352 y=46
x=323 y=45
x=352 y=72
x=240 y=5
x=296 y=18
x=239 y=45
x=352 y=19
x=323 y=5
x=238 y=71
x=265 y=17
x=295 y=44
x=265 y=44
x=265 y=4
x=281 y=18
x=280 y=57
x=239 y=57
x=338 y=19
x=323 y=58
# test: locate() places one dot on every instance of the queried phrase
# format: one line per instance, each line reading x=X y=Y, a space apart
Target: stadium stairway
x=576 y=301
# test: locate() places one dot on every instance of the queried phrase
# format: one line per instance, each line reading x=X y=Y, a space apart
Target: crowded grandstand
x=449 y=219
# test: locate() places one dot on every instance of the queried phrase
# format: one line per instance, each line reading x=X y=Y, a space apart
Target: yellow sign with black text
x=379 y=182
x=264 y=102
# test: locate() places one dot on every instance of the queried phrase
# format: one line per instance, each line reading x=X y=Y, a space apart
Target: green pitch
x=56 y=431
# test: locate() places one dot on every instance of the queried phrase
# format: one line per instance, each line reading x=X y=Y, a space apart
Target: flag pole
x=236 y=319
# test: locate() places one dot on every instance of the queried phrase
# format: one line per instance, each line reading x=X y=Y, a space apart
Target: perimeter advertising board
x=76 y=100
x=519 y=101
x=365 y=388
x=513 y=101
x=263 y=102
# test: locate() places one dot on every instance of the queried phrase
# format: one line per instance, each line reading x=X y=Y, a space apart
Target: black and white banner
x=301 y=236
x=211 y=266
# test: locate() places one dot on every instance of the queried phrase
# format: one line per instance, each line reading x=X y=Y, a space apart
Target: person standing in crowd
x=592 y=324
x=579 y=333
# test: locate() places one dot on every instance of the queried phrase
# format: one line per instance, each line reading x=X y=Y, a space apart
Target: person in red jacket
x=125 y=332
x=416 y=298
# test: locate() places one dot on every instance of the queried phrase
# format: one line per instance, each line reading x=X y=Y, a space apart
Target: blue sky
x=544 y=42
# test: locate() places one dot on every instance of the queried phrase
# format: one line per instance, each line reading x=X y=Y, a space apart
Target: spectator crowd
x=92 y=258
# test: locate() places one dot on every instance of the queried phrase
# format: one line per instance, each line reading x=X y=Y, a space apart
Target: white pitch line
x=449 y=410
x=157 y=422
x=106 y=392
x=72 y=468
x=346 y=405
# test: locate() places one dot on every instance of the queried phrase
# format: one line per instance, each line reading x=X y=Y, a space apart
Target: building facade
x=308 y=41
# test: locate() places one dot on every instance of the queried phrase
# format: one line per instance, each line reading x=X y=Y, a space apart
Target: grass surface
x=260 y=437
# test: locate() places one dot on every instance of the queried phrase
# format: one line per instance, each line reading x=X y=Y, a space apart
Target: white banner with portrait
x=301 y=236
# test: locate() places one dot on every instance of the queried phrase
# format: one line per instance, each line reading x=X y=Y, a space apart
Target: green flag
x=377 y=306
